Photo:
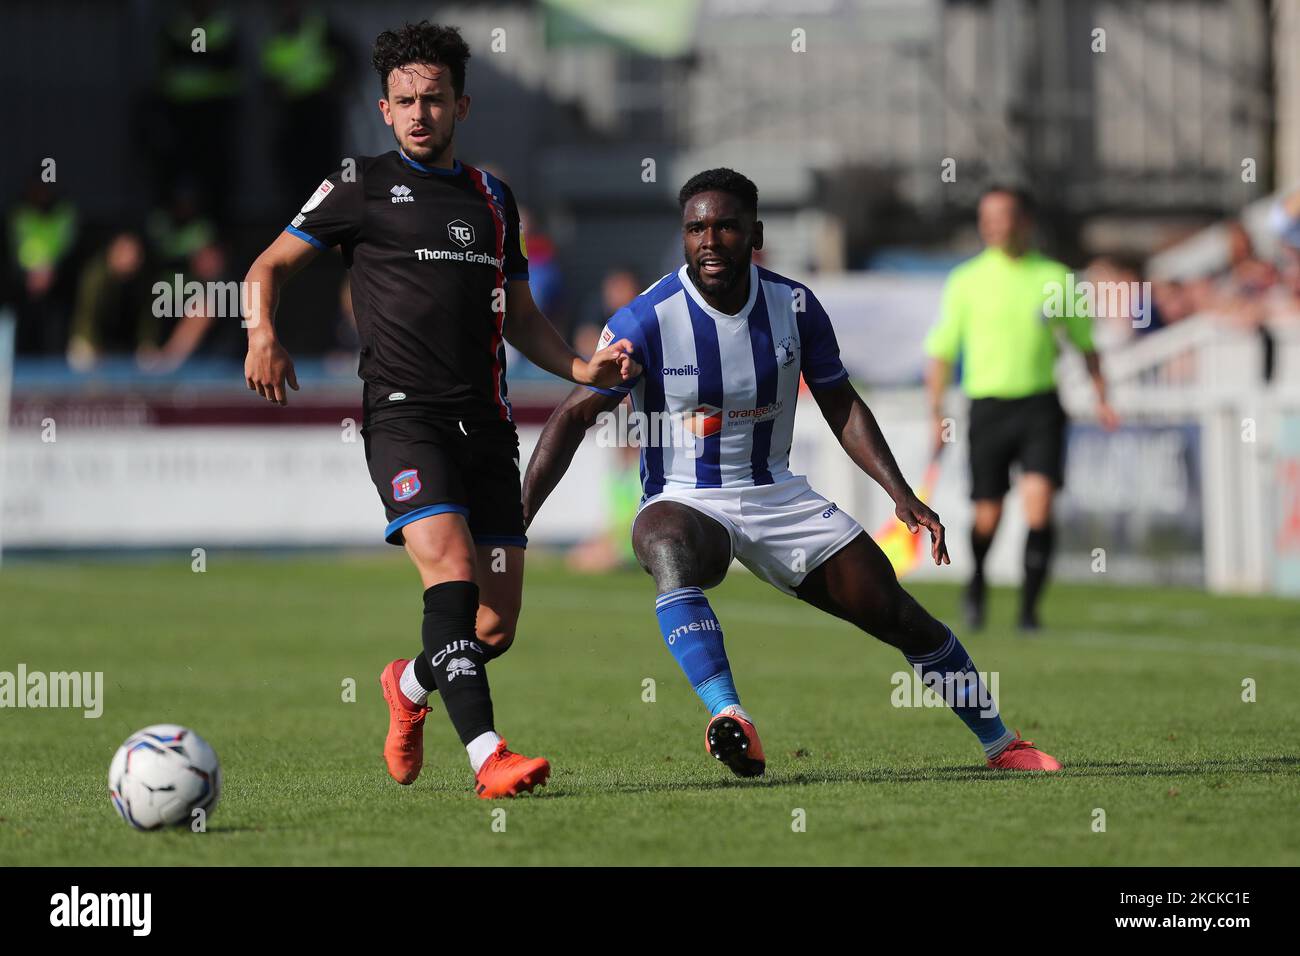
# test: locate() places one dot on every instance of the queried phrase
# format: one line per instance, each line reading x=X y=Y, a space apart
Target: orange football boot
x=506 y=774
x=404 y=745
x=733 y=740
x=1022 y=755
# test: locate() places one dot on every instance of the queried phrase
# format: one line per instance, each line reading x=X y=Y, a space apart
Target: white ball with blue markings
x=161 y=775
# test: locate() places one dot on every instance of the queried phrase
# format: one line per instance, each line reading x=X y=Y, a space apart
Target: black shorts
x=1029 y=430
x=425 y=466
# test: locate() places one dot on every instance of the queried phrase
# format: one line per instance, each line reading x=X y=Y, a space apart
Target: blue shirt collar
x=438 y=170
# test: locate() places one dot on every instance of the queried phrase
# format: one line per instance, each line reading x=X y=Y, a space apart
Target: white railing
x=1207 y=371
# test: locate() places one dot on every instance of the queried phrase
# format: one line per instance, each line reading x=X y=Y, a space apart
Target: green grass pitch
x=1137 y=691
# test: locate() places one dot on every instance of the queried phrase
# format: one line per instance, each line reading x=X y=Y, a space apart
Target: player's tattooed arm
x=558 y=442
x=528 y=330
x=268 y=369
x=859 y=433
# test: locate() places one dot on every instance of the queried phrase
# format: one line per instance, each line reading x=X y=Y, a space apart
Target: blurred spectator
x=611 y=547
x=306 y=65
x=1249 y=292
x=619 y=287
x=1285 y=221
x=199 y=84
x=1248 y=275
x=544 y=274
x=1284 y=217
x=1172 y=301
x=1243 y=292
x=1289 y=276
x=112 y=313
x=178 y=230
x=41 y=234
x=1124 y=307
x=210 y=325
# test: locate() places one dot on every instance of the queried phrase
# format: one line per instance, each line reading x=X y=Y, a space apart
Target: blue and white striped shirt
x=733 y=380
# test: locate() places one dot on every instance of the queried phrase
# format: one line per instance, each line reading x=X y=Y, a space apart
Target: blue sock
x=950 y=666
x=693 y=634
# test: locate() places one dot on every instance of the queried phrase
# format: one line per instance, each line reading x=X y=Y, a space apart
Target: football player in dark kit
x=439 y=278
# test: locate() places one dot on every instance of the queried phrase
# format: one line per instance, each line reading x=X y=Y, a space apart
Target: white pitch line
x=1163 y=642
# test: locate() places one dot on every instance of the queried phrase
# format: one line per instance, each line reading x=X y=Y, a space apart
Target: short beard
x=737 y=277
x=433 y=152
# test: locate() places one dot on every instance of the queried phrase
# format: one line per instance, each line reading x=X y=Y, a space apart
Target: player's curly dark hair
x=723 y=180
x=422 y=42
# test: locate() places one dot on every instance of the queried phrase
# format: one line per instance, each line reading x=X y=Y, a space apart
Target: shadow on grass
x=586 y=787
x=1252 y=765
x=967 y=774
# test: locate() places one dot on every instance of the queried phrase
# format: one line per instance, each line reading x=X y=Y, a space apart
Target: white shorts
x=779 y=531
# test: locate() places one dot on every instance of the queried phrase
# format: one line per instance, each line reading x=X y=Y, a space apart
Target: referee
x=439 y=278
x=993 y=316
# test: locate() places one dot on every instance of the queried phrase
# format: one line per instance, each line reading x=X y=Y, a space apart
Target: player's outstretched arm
x=860 y=436
x=532 y=333
x=268 y=368
x=558 y=442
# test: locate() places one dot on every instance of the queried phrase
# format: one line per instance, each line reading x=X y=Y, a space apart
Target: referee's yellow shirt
x=1001 y=315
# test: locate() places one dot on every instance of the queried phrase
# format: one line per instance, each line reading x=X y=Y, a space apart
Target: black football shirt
x=429 y=251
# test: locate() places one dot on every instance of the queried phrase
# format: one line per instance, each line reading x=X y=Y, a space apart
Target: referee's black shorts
x=423 y=465
x=1029 y=430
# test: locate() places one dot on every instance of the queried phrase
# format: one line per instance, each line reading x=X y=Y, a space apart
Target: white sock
x=480 y=748
x=999 y=745
x=411 y=687
x=738 y=711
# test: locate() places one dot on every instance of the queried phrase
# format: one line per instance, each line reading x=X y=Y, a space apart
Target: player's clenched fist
x=266 y=370
x=612 y=365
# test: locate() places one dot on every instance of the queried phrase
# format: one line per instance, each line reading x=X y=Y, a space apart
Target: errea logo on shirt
x=402 y=194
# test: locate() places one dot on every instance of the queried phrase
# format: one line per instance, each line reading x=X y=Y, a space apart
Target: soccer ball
x=161 y=775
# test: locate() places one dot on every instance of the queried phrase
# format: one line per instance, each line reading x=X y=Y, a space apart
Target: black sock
x=424 y=673
x=979 y=546
x=456 y=658
x=1038 y=558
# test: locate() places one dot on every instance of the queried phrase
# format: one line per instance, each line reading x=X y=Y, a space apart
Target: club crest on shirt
x=786 y=351
x=406 y=484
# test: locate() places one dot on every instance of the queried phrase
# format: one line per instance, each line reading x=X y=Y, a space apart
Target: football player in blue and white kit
x=723 y=344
